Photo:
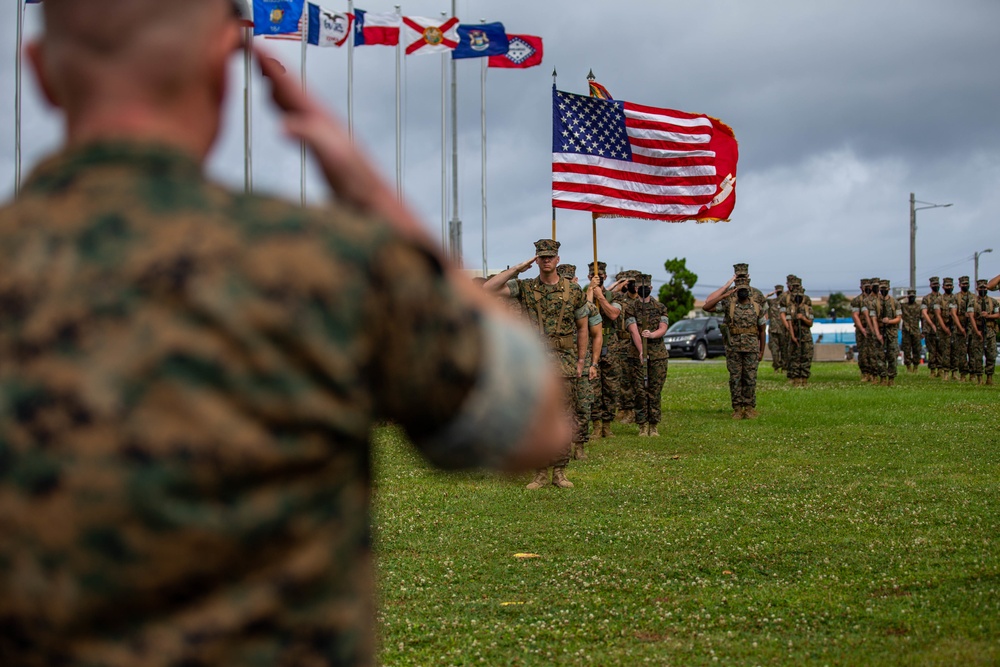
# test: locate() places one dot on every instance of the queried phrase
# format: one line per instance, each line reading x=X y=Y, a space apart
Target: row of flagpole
x=451 y=235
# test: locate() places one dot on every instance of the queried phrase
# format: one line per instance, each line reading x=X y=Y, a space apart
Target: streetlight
x=913 y=234
x=975 y=259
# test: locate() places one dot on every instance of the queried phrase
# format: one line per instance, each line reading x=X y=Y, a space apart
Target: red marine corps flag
x=618 y=159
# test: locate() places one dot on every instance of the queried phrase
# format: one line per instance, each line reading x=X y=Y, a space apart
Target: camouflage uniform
x=801 y=353
x=911 y=331
x=776 y=331
x=583 y=395
x=783 y=302
x=872 y=310
x=188 y=384
x=961 y=347
x=944 y=306
x=859 y=337
x=931 y=338
x=608 y=385
x=627 y=382
x=982 y=304
x=651 y=376
x=743 y=349
x=890 y=309
x=554 y=311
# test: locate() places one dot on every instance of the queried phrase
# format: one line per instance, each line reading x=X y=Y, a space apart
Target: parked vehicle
x=698 y=338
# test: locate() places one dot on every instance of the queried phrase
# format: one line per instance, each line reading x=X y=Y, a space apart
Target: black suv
x=699 y=338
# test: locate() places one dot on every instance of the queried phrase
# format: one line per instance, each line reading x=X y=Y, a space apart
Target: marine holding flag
x=643 y=162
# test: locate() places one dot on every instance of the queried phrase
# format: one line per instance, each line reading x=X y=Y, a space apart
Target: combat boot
x=628 y=417
x=578 y=452
x=803 y=382
x=954 y=376
x=652 y=432
x=749 y=413
x=596 y=434
x=890 y=382
x=978 y=379
x=541 y=479
x=989 y=380
x=738 y=413
x=606 y=430
x=643 y=430
x=963 y=378
x=559 y=478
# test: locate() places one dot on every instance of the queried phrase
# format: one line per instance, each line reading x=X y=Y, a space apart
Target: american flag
x=618 y=159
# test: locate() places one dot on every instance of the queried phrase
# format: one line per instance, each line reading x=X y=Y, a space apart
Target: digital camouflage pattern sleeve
x=187 y=383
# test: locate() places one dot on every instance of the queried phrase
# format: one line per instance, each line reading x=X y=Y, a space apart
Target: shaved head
x=149 y=56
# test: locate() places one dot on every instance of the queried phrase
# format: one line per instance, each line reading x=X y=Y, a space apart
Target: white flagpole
x=482 y=102
x=302 y=145
x=444 y=148
x=350 y=73
x=247 y=113
x=17 y=100
x=456 y=223
x=399 y=114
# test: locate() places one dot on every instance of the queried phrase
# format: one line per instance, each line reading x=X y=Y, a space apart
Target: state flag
x=376 y=28
x=430 y=35
x=523 y=51
x=480 y=41
x=274 y=17
x=328 y=28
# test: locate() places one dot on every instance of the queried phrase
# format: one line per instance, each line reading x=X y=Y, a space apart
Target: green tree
x=676 y=294
x=836 y=304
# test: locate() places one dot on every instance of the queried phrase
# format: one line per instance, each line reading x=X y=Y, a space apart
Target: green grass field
x=848 y=525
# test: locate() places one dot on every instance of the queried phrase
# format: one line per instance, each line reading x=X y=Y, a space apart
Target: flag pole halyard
x=304 y=23
x=350 y=75
x=247 y=112
x=17 y=99
x=482 y=106
x=444 y=148
x=554 y=76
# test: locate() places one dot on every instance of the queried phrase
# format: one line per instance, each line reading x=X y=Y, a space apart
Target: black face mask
x=798 y=298
x=868 y=290
x=742 y=294
x=965 y=288
x=948 y=290
x=935 y=288
x=982 y=292
x=631 y=288
x=884 y=292
x=645 y=291
x=911 y=299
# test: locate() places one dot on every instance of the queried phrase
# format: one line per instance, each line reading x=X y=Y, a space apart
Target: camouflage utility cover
x=187 y=384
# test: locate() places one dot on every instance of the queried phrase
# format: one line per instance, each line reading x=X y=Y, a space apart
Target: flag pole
x=247 y=112
x=304 y=23
x=593 y=216
x=482 y=105
x=444 y=148
x=399 y=114
x=593 y=220
x=17 y=99
x=554 y=75
x=456 y=223
x=350 y=74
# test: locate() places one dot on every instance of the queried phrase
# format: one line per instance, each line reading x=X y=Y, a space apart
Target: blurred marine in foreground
x=189 y=376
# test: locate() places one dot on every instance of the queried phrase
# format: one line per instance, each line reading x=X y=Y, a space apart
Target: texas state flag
x=375 y=28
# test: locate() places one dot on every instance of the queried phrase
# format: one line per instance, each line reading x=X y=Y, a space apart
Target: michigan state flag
x=274 y=17
x=479 y=41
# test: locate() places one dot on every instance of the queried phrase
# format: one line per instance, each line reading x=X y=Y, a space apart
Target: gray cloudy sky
x=841 y=109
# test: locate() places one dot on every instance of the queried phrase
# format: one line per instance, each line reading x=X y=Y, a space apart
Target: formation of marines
x=608 y=340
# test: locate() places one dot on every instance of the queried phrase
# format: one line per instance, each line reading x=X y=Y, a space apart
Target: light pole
x=913 y=234
x=975 y=261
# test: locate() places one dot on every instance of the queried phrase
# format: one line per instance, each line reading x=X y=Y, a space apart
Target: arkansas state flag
x=430 y=35
x=523 y=51
x=376 y=28
x=479 y=41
